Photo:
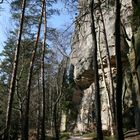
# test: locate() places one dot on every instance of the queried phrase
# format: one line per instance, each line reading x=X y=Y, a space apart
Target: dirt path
x=75 y=138
x=132 y=135
x=79 y=138
x=129 y=135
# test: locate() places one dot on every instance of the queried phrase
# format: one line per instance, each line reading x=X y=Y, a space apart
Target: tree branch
x=1 y=1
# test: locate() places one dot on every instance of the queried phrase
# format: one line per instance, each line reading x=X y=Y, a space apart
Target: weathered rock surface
x=82 y=46
x=82 y=56
x=82 y=53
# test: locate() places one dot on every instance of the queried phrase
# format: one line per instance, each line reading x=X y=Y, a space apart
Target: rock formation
x=82 y=57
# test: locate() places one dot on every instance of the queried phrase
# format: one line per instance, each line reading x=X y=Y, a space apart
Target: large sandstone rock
x=82 y=46
x=82 y=54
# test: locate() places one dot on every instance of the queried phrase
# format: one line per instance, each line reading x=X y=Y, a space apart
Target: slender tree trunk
x=38 y=123
x=14 y=74
x=119 y=123
x=107 y=90
x=20 y=107
x=95 y=64
x=38 y=111
x=51 y=109
x=59 y=86
x=26 y=123
x=42 y=76
x=111 y=92
x=55 y=115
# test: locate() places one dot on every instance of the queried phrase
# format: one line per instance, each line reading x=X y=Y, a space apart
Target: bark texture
x=14 y=74
x=30 y=74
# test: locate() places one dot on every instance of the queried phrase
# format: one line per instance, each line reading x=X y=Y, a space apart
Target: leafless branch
x=1 y=1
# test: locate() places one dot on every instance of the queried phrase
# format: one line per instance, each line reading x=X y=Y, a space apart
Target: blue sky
x=6 y=23
x=63 y=18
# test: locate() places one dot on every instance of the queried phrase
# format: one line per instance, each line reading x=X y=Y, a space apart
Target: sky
x=5 y=23
x=56 y=21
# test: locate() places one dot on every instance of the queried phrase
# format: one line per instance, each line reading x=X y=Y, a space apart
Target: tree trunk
x=110 y=96
x=14 y=74
x=59 y=86
x=56 y=122
x=95 y=64
x=51 y=98
x=55 y=113
x=38 y=111
x=119 y=124
x=26 y=123
x=42 y=76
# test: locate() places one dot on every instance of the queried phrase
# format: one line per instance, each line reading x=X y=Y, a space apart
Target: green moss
x=109 y=138
x=65 y=136
x=89 y=135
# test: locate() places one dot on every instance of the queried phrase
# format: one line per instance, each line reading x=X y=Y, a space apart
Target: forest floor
x=129 y=135
x=133 y=138
x=132 y=135
x=84 y=138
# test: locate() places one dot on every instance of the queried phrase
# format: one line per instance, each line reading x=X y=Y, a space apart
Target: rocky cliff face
x=82 y=55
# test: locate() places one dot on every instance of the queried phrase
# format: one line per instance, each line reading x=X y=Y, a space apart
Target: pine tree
x=13 y=78
x=28 y=92
x=43 y=129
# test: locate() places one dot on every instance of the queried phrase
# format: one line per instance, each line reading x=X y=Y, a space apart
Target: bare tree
x=26 y=119
x=14 y=74
x=119 y=124
x=96 y=78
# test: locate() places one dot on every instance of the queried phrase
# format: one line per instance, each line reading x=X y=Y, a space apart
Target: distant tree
x=6 y=73
x=59 y=92
x=71 y=5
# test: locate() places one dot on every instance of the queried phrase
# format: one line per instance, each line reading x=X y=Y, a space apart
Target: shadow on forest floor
x=132 y=135
x=129 y=135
